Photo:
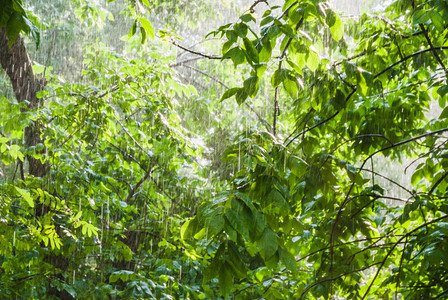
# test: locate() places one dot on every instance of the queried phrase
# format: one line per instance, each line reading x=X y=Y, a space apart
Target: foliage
x=299 y=209
x=14 y=18
x=116 y=149
x=309 y=207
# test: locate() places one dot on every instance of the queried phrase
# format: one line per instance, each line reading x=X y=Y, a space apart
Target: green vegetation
x=308 y=160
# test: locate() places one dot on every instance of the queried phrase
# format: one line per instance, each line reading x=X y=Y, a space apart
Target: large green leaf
x=225 y=279
x=251 y=86
x=148 y=28
x=238 y=223
x=236 y=55
x=279 y=76
x=288 y=259
x=267 y=244
x=251 y=52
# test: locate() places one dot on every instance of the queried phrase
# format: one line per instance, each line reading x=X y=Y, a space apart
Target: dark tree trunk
x=18 y=66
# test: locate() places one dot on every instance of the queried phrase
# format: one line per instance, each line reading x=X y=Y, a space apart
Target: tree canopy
x=293 y=153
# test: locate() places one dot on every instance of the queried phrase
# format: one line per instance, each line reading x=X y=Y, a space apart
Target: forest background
x=197 y=149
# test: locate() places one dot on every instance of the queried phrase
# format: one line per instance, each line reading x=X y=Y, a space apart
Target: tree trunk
x=18 y=66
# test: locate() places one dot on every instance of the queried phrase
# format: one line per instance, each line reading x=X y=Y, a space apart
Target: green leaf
x=288 y=259
x=236 y=262
x=338 y=101
x=362 y=84
x=148 y=28
x=444 y=113
x=421 y=16
x=212 y=270
x=236 y=55
x=229 y=93
x=225 y=280
x=267 y=244
x=279 y=76
x=417 y=176
x=33 y=30
x=26 y=196
x=143 y=31
x=240 y=29
x=277 y=203
x=14 y=151
x=297 y=166
x=14 y=26
x=133 y=29
x=442 y=90
x=258 y=226
x=266 y=20
x=239 y=224
x=124 y=275
x=265 y=52
x=226 y=46
x=246 y=199
x=215 y=222
x=214 y=267
x=251 y=52
x=312 y=60
x=337 y=29
x=189 y=229
x=247 y=18
x=350 y=68
x=38 y=69
x=231 y=36
x=291 y=87
x=241 y=96
x=251 y=86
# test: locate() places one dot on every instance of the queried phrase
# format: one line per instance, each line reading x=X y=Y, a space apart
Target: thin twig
x=337 y=277
x=134 y=189
x=408 y=57
x=437 y=183
x=320 y=123
x=182 y=62
x=390 y=180
x=300 y=124
x=373 y=50
x=403 y=142
x=252 y=8
x=196 y=52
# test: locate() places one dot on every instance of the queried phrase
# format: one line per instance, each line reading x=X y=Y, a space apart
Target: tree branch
x=320 y=123
x=19 y=68
x=195 y=52
x=374 y=49
x=436 y=55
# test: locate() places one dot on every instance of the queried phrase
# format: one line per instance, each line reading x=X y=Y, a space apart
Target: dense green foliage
x=154 y=193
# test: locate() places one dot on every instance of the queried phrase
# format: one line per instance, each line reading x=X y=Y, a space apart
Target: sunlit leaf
x=148 y=28
x=337 y=29
x=279 y=76
x=26 y=196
